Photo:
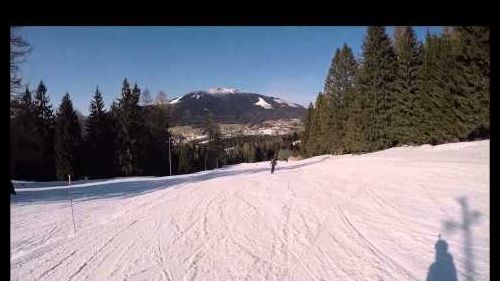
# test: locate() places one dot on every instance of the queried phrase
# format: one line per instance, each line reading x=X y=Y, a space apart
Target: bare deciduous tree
x=146 y=97
x=161 y=98
x=19 y=49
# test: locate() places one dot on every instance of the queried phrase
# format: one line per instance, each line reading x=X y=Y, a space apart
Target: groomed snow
x=351 y=217
x=262 y=103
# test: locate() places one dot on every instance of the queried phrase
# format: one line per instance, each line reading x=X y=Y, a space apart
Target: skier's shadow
x=443 y=268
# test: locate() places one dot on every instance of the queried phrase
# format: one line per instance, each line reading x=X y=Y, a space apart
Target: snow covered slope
x=352 y=217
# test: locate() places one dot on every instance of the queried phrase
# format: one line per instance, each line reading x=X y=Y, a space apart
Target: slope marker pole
x=71 y=203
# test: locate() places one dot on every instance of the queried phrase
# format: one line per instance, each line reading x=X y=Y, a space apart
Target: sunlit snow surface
x=351 y=217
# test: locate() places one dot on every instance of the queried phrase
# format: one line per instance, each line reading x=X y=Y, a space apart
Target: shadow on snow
x=443 y=268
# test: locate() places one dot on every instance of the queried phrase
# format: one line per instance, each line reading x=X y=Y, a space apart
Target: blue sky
x=287 y=62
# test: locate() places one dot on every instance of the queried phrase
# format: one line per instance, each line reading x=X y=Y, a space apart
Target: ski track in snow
x=350 y=217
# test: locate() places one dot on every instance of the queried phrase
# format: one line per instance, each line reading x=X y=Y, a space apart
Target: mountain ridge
x=232 y=105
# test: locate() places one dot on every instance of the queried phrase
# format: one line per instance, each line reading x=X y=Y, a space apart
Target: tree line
x=130 y=139
x=403 y=92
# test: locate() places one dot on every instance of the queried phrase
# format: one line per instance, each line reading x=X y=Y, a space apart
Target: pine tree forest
x=403 y=92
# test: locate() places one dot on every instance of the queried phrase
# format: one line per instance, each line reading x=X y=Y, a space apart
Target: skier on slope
x=273 y=164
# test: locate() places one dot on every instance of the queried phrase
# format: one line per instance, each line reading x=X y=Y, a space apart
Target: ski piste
x=375 y=216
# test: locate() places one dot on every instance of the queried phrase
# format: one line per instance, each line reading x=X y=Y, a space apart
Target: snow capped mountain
x=232 y=105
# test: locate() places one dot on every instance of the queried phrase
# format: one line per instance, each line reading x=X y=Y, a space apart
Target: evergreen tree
x=27 y=105
x=473 y=80
x=25 y=141
x=314 y=146
x=330 y=88
x=306 y=135
x=114 y=119
x=408 y=87
x=339 y=85
x=342 y=73
x=44 y=123
x=353 y=128
x=99 y=144
x=43 y=108
x=320 y=115
x=82 y=119
x=377 y=84
x=130 y=130
x=323 y=119
x=156 y=137
x=438 y=119
x=67 y=141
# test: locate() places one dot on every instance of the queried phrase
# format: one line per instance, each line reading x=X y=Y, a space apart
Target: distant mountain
x=232 y=106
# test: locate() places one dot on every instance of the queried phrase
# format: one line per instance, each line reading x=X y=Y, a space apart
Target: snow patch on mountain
x=262 y=103
x=176 y=100
x=281 y=101
x=222 y=91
